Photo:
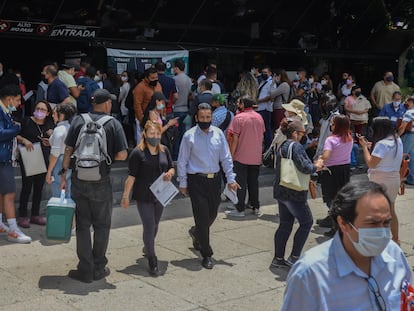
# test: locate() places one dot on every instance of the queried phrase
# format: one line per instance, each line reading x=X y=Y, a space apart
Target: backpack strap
x=226 y=121
x=103 y=120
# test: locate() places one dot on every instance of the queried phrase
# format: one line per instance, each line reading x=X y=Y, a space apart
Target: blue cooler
x=59 y=213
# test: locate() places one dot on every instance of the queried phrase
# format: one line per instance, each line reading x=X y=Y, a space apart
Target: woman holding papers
x=35 y=129
x=147 y=162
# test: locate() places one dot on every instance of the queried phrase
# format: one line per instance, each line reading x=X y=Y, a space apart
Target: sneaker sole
x=27 y=241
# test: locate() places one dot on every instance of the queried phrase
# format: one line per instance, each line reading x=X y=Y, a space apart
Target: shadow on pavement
x=72 y=287
x=141 y=268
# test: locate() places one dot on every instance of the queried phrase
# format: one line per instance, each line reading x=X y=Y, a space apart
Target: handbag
x=290 y=176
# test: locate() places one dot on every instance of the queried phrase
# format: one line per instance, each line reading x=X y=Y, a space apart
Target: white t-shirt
x=57 y=140
x=385 y=150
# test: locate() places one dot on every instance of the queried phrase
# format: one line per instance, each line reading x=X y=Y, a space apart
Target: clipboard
x=33 y=161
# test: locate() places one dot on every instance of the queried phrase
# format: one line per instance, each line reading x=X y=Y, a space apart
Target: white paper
x=231 y=194
x=164 y=191
x=33 y=161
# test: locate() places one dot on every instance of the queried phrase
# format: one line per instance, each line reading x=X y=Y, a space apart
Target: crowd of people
x=213 y=138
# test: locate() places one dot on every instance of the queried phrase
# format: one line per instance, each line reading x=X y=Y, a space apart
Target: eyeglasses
x=41 y=109
x=374 y=288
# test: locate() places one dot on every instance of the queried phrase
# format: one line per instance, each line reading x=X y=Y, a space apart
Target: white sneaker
x=231 y=208
x=235 y=213
x=4 y=229
x=17 y=236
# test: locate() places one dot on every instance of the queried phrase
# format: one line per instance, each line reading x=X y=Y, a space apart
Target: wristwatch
x=62 y=171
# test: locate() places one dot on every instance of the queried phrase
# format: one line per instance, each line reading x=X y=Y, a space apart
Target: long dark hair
x=382 y=127
x=151 y=106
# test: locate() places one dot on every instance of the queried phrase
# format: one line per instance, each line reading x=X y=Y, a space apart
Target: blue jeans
x=354 y=155
x=268 y=136
x=56 y=181
x=408 y=144
x=288 y=211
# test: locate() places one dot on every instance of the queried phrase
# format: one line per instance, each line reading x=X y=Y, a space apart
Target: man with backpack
x=95 y=140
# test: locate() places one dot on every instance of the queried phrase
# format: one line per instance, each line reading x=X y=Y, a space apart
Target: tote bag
x=290 y=176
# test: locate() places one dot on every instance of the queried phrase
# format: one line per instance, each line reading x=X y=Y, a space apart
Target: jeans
x=354 y=155
x=288 y=211
x=268 y=136
x=247 y=176
x=150 y=213
x=408 y=144
x=181 y=130
x=56 y=181
x=205 y=199
x=93 y=208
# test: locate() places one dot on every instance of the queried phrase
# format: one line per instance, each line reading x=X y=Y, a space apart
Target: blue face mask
x=160 y=107
x=11 y=108
x=297 y=77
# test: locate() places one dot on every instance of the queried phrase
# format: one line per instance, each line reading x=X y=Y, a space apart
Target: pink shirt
x=340 y=151
x=249 y=127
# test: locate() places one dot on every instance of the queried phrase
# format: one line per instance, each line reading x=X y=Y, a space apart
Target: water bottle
x=62 y=195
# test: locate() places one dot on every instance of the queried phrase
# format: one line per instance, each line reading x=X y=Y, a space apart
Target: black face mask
x=357 y=93
x=153 y=83
x=264 y=76
x=204 y=125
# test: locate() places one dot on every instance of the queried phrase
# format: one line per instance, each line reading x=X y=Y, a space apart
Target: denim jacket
x=8 y=130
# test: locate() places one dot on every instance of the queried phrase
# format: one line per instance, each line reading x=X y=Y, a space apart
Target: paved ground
x=33 y=277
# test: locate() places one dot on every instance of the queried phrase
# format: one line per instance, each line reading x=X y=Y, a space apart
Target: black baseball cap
x=69 y=65
x=101 y=95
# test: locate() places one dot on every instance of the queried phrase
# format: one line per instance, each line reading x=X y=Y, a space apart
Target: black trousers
x=93 y=208
x=247 y=176
x=205 y=199
x=35 y=182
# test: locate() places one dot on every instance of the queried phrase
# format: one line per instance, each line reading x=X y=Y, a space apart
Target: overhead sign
x=48 y=30
x=20 y=27
x=140 y=60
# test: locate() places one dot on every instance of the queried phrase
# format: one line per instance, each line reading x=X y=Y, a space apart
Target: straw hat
x=298 y=108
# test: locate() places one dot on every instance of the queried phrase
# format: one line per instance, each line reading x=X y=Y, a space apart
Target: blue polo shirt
x=393 y=114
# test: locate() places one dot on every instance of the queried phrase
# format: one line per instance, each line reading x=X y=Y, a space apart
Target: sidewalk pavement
x=33 y=276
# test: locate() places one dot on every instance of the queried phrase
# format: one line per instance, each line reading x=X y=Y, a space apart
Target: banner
x=25 y=28
x=140 y=60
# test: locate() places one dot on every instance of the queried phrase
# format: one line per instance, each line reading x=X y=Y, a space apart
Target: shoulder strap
x=103 y=120
x=86 y=117
x=261 y=87
x=226 y=121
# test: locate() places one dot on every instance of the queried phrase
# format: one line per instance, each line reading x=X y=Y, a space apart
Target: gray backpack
x=90 y=149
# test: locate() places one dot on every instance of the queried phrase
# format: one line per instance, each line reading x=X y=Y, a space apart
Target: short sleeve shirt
x=340 y=151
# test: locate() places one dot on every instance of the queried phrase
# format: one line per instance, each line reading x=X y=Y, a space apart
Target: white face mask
x=396 y=104
x=311 y=80
x=123 y=79
x=324 y=82
x=371 y=241
x=97 y=78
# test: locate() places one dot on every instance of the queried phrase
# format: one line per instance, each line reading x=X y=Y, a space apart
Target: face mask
x=389 y=78
x=287 y=115
x=97 y=78
x=153 y=141
x=357 y=93
x=396 y=104
x=371 y=241
x=264 y=76
x=240 y=109
x=39 y=115
x=311 y=80
x=204 y=125
x=153 y=83
x=123 y=79
x=297 y=77
x=253 y=72
x=324 y=82
x=348 y=81
x=160 y=107
x=11 y=108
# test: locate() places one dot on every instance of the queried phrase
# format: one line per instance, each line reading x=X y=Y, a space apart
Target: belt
x=206 y=175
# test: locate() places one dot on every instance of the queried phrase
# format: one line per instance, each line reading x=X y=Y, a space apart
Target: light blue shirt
x=202 y=152
x=327 y=279
x=219 y=115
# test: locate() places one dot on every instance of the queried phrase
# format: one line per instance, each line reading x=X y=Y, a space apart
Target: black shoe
x=196 y=244
x=207 y=263
x=327 y=222
x=330 y=233
x=98 y=275
x=153 y=265
x=78 y=276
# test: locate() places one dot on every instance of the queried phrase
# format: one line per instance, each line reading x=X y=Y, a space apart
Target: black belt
x=206 y=175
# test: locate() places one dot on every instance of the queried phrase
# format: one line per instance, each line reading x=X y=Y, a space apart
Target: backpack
x=223 y=126
x=90 y=149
